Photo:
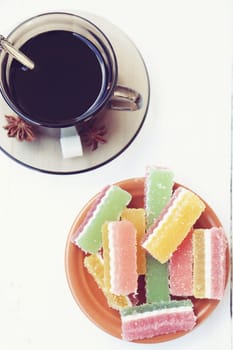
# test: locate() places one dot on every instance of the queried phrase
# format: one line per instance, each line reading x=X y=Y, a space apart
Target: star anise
x=18 y=128
x=92 y=133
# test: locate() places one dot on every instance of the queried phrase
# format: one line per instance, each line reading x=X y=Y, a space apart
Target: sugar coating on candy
x=137 y=217
x=209 y=275
x=120 y=257
x=95 y=266
x=149 y=320
x=158 y=190
x=174 y=223
x=181 y=268
x=199 y=263
x=157 y=288
x=107 y=207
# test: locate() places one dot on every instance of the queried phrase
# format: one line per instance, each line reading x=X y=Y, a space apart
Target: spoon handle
x=18 y=55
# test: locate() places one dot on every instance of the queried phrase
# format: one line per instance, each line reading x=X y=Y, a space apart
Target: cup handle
x=125 y=99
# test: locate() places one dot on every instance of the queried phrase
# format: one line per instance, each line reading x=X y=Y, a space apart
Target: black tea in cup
x=68 y=78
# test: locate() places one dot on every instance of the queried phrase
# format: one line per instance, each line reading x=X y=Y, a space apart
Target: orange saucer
x=91 y=299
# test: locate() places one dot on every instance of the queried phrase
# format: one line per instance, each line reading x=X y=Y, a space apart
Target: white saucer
x=44 y=154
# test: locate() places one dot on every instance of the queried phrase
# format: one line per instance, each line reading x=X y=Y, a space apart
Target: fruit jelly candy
x=209 y=275
x=141 y=291
x=107 y=207
x=150 y=320
x=157 y=288
x=120 y=257
x=173 y=225
x=95 y=266
x=158 y=190
x=181 y=268
x=137 y=217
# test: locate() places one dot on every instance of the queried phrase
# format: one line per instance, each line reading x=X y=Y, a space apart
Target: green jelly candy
x=158 y=191
x=157 y=288
x=109 y=208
